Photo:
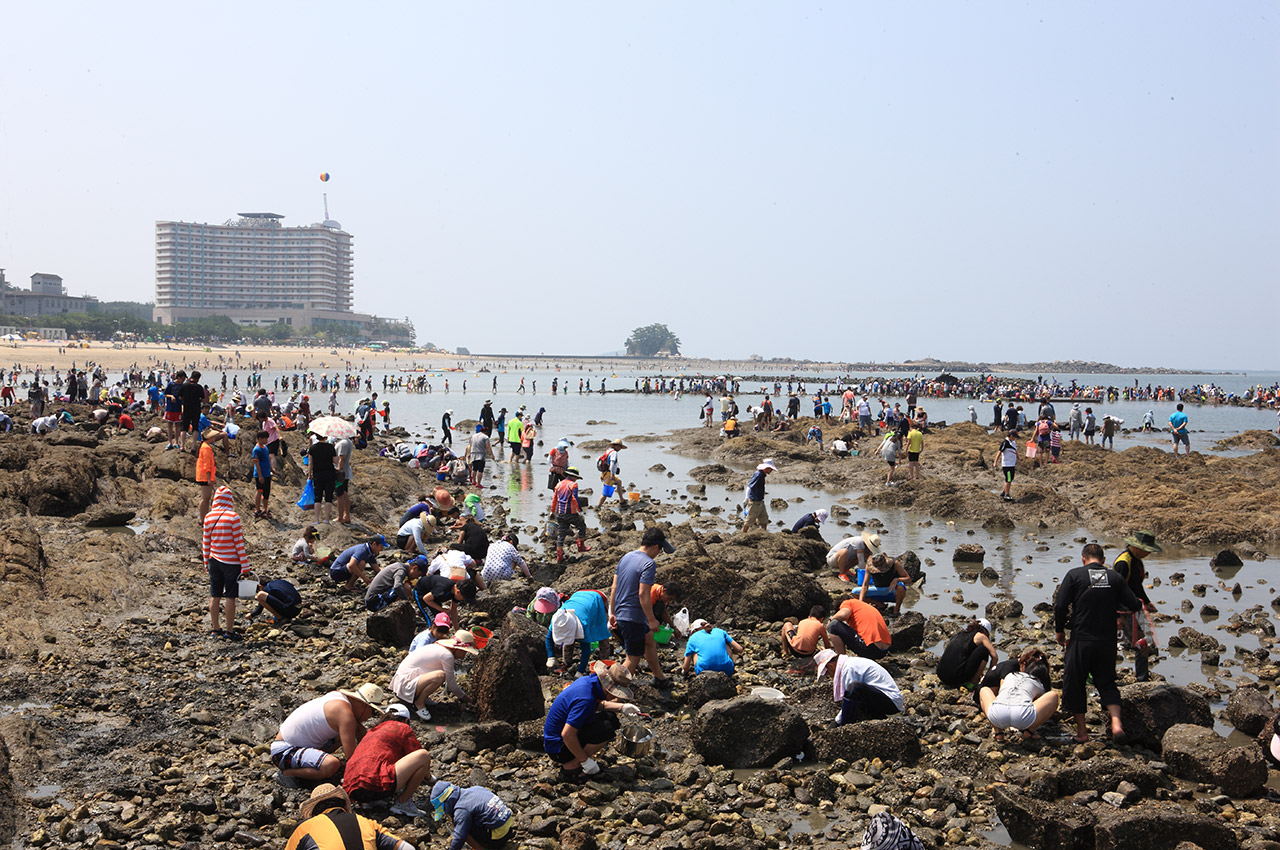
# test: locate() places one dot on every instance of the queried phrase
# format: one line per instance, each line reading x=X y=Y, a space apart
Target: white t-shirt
x=301 y=550
x=1019 y=689
x=1008 y=453
x=451 y=563
x=851 y=670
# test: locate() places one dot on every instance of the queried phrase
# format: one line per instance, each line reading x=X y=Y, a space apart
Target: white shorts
x=404 y=687
x=1020 y=716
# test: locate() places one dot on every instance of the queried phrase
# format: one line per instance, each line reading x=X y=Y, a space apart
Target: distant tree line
x=104 y=326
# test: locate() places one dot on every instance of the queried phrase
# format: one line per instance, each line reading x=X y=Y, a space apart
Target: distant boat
x=484 y=370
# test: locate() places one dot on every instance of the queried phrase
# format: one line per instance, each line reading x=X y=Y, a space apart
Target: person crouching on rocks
x=303 y=746
x=858 y=626
x=964 y=660
x=354 y=560
x=280 y=599
x=388 y=761
x=582 y=619
x=327 y=821
x=1023 y=700
x=425 y=670
x=480 y=818
x=863 y=689
x=441 y=627
x=710 y=649
x=583 y=720
x=389 y=585
x=801 y=639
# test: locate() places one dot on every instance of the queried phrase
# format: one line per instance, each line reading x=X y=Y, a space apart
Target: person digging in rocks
x=1023 y=699
x=583 y=719
x=967 y=656
x=389 y=761
x=303 y=746
x=1131 y=568
x=425 y=670
x=863 y=689
x=1088 y=601
x=481 y=820
x=801 y=639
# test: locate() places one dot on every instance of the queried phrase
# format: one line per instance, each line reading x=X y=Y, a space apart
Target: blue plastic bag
x=308 y=499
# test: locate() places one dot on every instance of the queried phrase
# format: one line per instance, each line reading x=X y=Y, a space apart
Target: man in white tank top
x=303 y=746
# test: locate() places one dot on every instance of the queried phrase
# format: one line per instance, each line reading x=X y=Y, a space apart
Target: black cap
x=655 y=537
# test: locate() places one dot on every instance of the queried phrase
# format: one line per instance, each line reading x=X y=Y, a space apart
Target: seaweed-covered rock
x=1200 y=754
x=1249 y=709
x=504 y=682
x=907 y=631
x=1154 y=826
x=393 y=625
x=708 y=686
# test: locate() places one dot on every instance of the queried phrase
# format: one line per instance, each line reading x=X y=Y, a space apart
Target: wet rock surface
x=144 y=732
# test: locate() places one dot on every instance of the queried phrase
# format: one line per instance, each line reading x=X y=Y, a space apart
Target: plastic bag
x=307 y=500
x=681 y=621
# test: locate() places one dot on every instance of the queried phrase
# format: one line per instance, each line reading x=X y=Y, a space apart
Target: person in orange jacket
x=206 y=469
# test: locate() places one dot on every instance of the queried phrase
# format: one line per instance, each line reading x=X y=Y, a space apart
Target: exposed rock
x=748 y=731
x=504 y=681
x=910 y=562
x=892 y=739
x=483 y=736
x=1200 y=754
x=708 y=686
x=1249 y=709
x=22 y=557
x=969 y=553
x=108 y=517
x=1044 y=825
x=1004 y=609
x=1226 y=558
x=8 y=799
x=1154 y=826
x=907 y=631
x=394 y=625
x=1105 y=773
x=1149 y=709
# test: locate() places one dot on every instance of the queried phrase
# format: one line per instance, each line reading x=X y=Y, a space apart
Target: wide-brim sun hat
x=617 y=444
x=872 y=542
x=821 y=515
x=767 y=463
x=323 y=797
x=1144 y=540
x=464 y=641
x=822 y=659
x=614 y=679
x=368 y=693
x=572 y=472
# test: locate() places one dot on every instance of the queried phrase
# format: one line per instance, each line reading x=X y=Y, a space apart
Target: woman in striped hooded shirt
x=226 y=560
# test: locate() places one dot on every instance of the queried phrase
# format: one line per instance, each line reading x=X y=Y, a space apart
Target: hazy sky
x=848 y=181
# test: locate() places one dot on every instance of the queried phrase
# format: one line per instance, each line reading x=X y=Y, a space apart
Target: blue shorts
x=288 y=757
x=339 y=573
x=633 y=636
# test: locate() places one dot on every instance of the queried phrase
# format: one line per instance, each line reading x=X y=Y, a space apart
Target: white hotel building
x=257 y=272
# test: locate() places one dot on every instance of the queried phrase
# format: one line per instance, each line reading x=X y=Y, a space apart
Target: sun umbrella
x=333 y=427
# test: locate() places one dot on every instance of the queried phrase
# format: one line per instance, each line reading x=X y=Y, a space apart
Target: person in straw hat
x=883 y=579
x=303 y=747
x=853 y=553
x=1129 y=564
x=567 y=512
x=583 y=719
x=423 y=671
x=329 y=824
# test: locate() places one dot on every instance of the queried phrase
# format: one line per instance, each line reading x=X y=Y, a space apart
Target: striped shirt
x=223 y=537
x=566 y=498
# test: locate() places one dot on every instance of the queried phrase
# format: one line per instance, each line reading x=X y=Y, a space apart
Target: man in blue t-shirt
x=350 y=565
x=261 y=459
x=1178 y=426
x=631 y=603
x=575 y=729
x=709 y=649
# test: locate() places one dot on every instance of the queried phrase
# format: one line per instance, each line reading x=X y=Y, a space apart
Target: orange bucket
x=482 y=636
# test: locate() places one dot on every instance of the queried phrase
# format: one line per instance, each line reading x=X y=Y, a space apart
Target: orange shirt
x=866 y=621
x=655 y=593
x=808 y=634
x=206 y=466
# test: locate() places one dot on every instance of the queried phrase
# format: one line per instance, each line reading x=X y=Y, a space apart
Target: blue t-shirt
x=172 y=402
x=261 y=463
x=1177 y=420
x=592 y=611
x=635 y=568
x=712 y=648
x=153 y=393
x=361 y=552
x=414 y=511
x=576 y=706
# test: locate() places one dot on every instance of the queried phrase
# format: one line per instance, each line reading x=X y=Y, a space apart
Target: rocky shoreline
x=124 y=726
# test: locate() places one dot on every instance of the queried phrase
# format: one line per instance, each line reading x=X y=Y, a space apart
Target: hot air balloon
x=324 y=177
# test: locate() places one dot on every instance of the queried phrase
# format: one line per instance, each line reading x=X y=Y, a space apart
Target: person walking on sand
x=225 y=559
x=889 y=451
x=1088 y=602
x=757 y=513
x=631 y=603
x=1178 y=427
x=1130 y=567
x=477 y=451
x=446 y=428
x=567 y=512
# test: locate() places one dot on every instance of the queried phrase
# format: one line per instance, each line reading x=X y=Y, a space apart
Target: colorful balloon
x=324 y=177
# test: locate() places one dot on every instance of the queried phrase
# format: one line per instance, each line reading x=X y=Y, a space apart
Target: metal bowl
x=636 y=741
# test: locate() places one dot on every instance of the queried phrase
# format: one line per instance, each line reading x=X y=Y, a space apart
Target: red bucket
x=482 y=636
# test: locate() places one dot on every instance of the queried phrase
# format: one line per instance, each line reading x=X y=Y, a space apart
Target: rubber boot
x=559 y=555
x=582 y=545
x=1141 y=664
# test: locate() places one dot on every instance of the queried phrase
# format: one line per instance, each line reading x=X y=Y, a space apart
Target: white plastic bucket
x=247 y=588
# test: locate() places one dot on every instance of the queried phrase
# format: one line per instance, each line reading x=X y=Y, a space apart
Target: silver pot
x=636 y=741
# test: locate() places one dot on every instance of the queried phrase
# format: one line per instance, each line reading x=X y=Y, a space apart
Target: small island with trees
x=652 y=340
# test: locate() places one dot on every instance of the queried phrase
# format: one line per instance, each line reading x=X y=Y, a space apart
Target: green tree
x=652 y=339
